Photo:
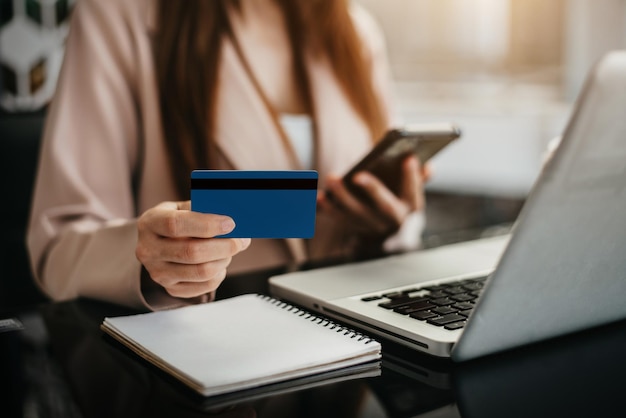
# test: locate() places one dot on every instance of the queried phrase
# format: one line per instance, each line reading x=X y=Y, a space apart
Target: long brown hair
x=187 y=56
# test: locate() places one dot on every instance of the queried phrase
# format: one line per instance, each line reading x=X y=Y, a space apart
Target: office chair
x=20 y=136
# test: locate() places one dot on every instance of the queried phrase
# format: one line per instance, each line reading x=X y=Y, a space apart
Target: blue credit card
x=263 y=204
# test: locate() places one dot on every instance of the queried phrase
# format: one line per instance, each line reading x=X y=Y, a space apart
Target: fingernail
x=361 y=179
x=228 y=225
x=245 y=242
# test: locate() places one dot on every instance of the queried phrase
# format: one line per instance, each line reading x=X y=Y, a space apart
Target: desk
x=61 y=365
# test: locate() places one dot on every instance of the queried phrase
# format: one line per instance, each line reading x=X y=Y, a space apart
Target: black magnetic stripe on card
x=254 y=184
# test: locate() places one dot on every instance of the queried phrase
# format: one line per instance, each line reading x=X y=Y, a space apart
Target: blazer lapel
x=342 y=138
x=245 y=131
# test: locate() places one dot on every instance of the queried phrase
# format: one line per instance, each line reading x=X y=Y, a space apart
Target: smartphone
x=385 y=159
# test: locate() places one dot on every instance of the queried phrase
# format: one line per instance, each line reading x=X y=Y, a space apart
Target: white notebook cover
x=240 y=343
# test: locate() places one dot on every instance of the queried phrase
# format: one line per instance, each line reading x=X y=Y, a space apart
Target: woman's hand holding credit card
x=179 y=250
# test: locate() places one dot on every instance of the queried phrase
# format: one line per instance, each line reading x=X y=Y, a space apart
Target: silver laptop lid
x=564 y=269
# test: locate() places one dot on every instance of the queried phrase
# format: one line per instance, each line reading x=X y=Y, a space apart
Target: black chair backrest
x=20 y=136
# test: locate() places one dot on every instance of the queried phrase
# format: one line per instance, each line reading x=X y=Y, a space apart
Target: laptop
x=562 y=268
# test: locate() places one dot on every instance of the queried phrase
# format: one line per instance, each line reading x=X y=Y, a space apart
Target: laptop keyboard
x=446 y=305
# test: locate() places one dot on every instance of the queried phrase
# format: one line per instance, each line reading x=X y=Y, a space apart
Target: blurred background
x=506 y=71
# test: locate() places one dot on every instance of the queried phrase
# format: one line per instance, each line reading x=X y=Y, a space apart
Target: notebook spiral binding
x=317 y=319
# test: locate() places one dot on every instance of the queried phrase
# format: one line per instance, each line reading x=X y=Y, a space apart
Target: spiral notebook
x=240 y=343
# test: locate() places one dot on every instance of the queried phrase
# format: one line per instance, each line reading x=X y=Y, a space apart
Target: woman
x=151 y=89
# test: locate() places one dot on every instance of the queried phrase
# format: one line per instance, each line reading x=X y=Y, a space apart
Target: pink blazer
x=105 y=116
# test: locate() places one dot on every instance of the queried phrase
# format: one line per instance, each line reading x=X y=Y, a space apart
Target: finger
x=388 y=204
x=186 y=205
x=329 y=207
x=412 y=191
x=169 y=274
x=197 y=251
x=182 y=205
x=411 y=179
x=341 y=216
x=349 y=203
x=322 y=201
x=427 y=172
x=189 y=289
x=167 y=220
x=326 y=202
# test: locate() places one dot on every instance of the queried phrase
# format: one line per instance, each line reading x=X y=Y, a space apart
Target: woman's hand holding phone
x=379 y=193
x=383 y=212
